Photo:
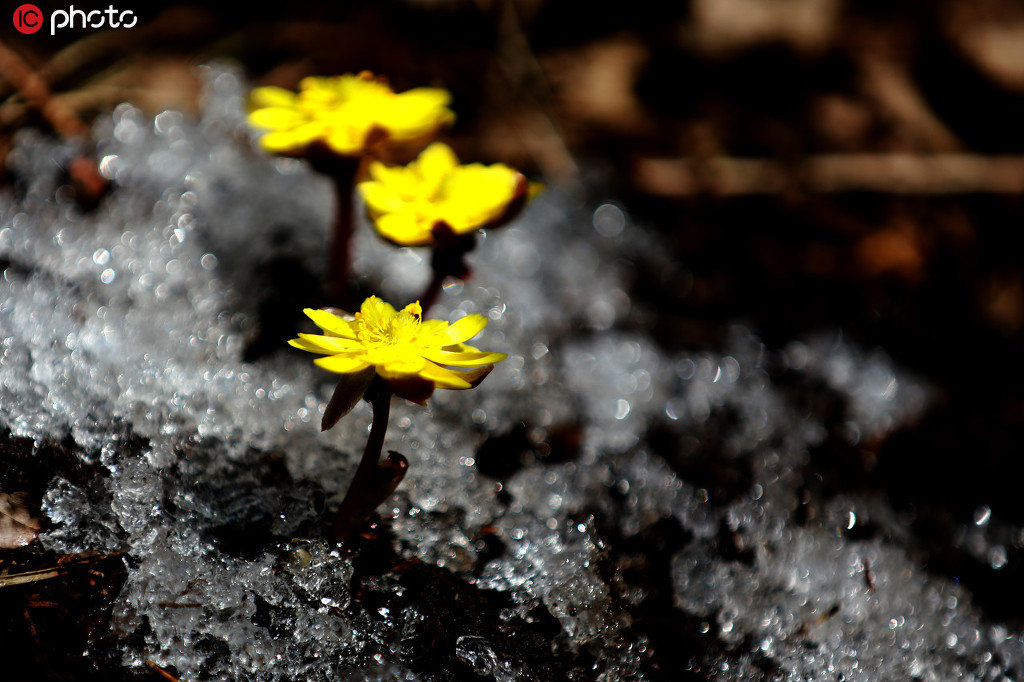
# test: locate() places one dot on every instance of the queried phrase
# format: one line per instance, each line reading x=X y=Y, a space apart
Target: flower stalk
x=374 y=480
x=447 y=259
x=342 y=170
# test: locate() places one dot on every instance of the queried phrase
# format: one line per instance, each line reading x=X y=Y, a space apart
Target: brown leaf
x=346 y=395
x=17 y=526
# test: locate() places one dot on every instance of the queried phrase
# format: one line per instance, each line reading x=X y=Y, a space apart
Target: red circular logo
x=28 y=19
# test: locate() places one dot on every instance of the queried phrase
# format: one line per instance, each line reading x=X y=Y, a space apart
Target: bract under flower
x=409 y=204
x=346 y=113
x=414 y=356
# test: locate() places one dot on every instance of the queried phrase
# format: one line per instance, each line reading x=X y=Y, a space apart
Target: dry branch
x=825 y=174
x=34 y=89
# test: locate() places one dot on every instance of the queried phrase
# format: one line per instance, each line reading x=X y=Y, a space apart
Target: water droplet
x=997 y=557
x=453 y=285
x=609 y=220
x=165 y=121
x=685 y=368
x=108 y=166
x=622 y=408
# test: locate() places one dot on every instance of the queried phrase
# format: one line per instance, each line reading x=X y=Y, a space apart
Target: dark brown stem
x=448 y=259
x=342 y=170
x=433 y=290
x=374 y=480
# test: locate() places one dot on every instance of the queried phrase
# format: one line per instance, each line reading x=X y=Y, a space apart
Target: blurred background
x=808 y=164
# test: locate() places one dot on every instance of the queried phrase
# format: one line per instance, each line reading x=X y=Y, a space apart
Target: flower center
x=381 y=330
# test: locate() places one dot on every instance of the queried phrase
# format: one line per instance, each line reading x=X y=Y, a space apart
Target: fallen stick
x=909 y=174
x=64 y=568
x=31 y=576
x=34 y=89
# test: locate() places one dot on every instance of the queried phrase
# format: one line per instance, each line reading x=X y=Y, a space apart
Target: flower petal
x=400 y=366
x=277 y=118
x=379 y=198
x=331 y=323
x=426 y=98
x=404 y=228
x=271 y=96
x=432 y=327
x=455 y=380
x=414 y=309
x=413 y=388
x=293 y=139
x=460 y=348
x=327 y=345
x=377 y=310
x=386 y=175
x=472 y=359
x=414 y=113
x=477 y=194
x=308 y=346
x=475 y=376
x=347 y=139
x=444 y=378
x=435 y=162
x=319 y=84
x=465 y=328
x=341 y=364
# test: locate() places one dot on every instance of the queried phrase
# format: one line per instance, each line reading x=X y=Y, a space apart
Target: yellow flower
x=410 y=204
x=346 y=113
x=412 y=355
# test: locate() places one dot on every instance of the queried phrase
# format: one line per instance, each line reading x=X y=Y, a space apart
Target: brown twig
x=833 y=173
x=526 y=81
x=31 y=576
x=89 y=184
x=34 y=89
x=161 y=671
x=53 y=572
